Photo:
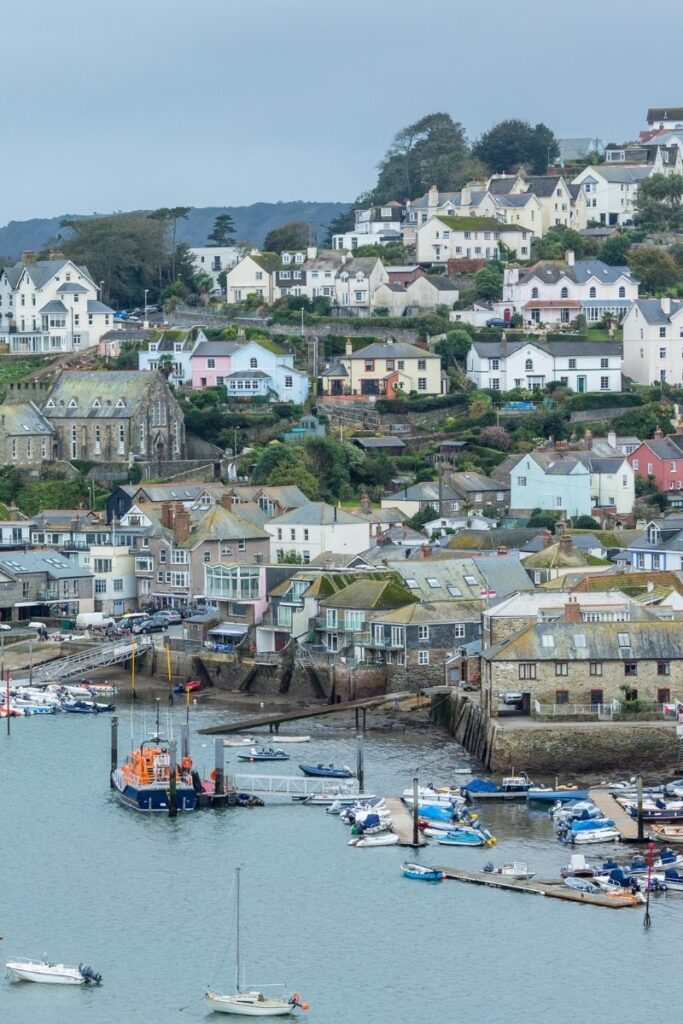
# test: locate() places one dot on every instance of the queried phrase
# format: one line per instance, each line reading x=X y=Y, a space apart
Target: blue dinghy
x=422 y=873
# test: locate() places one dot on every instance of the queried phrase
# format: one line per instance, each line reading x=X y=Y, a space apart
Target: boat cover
x=437 y=812
x=481 y=786
x=583 y=826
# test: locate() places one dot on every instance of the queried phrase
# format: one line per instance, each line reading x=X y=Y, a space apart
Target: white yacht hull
x=46 y=974
x=249 y=1004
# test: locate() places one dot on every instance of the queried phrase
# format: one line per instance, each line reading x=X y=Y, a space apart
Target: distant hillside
x=252 y=224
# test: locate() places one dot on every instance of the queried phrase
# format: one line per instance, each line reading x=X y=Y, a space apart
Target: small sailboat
x=250 y=1002
x=47 y=973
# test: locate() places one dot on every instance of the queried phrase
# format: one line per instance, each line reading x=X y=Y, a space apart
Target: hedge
x=603 y=400
x=384 y=405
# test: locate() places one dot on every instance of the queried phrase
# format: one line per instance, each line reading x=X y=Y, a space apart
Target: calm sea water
x=149 y=902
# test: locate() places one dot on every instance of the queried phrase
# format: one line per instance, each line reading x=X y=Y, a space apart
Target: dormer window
x=299 y=258
x=286 y=258
x=96 y=404
x=653 y=535
x=49 y=404
x=120 y=404
x=73 y=404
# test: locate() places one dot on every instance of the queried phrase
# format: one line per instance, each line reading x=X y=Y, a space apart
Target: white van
x=94 y=620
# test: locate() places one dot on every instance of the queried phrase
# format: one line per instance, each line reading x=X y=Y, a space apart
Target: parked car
x=513 y=699
x=170 y=614
x=150 y=626
x=497 y=321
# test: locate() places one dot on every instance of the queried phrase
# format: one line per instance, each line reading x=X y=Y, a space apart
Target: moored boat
x=326 y=771
x=462 y=837
x=381 y=839
x=143 y=780
x=539 y=794
x=263 y=754
x=512 y=787
x=421 y=872
x=47 y=973
x=666 y=833
x=517 y=869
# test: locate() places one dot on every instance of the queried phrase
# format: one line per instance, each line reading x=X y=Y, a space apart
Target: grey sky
x=147 y=103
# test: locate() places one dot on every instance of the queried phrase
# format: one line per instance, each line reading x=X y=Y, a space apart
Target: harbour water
x=148 y=901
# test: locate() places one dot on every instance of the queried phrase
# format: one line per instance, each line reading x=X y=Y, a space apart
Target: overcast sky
x=148 y=103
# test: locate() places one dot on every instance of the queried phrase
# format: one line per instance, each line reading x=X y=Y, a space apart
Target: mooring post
x=365 y=711
x=172 y=781
x=114 y=749
x=184 y=741
x=218 y=751
x=356 y=713
x=359 y=763
x=415 y=829
x=639 y=784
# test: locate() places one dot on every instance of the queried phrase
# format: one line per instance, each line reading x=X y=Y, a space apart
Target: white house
x=423 y=293
x=357 y=282
x=50 y=306
x=576 y=483
x=557 y=291
x=252 y=275
x=267 y=372
x=582 y=366
x=316 y=527
x=442 y=238
x=653 y=341
x=213 y=260
x=611 y=190
x=374 y=225
x=172 y=353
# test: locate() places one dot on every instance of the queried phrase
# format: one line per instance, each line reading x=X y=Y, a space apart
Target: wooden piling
x=218 y=764
x=360 y=772
x=114 y=756
x=172 y=781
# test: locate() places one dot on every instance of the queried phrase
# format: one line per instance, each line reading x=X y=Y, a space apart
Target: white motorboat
x=433 y=795
x=598 y=835
x=241 y=741
x=47 y=973
x=381 y=839
x=281 y=738
x=519 y=870
x=251 y=1002
x=342 y=795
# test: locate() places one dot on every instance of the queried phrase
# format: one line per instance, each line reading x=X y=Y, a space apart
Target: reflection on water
x=148 y=901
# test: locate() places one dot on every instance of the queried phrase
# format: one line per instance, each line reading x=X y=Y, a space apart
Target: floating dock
x=402 y=823
x=554 y=889
x=611 y=808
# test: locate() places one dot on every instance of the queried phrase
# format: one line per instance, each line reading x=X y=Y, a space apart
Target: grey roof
x=360 y=265
x=317 y=513
x=20 y=419
x=390 y=350
x=55 y=306
x=336 y=370
x=543 y=184
x=552 y=271
x=428 y=490
x=400 y=288
x=466 y=483
x=622 y=175
x=516 y=201
x=500 y=185
x=652 y=639
x=97 y=394
x=500 y=350
x=651 y=310
x=667 y=448
x=127 y=334
x=42 y=271
x=215 y=348
x=95 y=306
x=55 y=565
x=604 y=232
x=379 y=442
x=442 y=284
x=503 y=573
x=72 y=287
x=241 y=374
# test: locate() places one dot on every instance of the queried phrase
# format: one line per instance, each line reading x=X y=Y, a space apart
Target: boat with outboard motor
x=666 y=833
x=595 y=830
x=263 y=754
x=421 y=872
x=47 y=973
x=512 y=787
x=463 y=836
x=561 y=795
x=326 y=771
x=384 y=838
x=517 y=869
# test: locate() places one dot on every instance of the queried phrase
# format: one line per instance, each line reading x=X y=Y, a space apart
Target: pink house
x=211 y=363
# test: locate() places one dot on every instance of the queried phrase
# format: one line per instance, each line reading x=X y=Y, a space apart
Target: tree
x=659 y=202
x=328 y=462
x=512 y=144
x=555 y=243
x=586 y=523
x=223 y=231
x=654 y=268
x=614 y=250
x=204 y=283
x=431 y=151
x=293 y=236
x=542 y=520
x=344 y=222
x=495 y=437
x=454 y=347
x=169 y=217
x=488 y=283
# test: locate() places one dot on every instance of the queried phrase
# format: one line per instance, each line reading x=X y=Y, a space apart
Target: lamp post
x=146 y=294
x=101 y=291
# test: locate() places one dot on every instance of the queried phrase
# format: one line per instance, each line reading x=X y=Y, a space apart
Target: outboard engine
x=196 y=781
x=89 y=974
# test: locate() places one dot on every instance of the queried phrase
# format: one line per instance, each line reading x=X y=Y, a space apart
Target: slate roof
x=215 y=348
x=652 y=312
x=54 y=306
x=55 y=565
x=501 y=184
x=441 y=283
x=426 y=612
x=369 y=595
x=500 y=350
x=360 y=265
x=378 y=443
x=24 y=418
x=428 y=490
x=480 y=223
x=88 y=386
x=317 y=513
x=622 y=175
x=543 y=185
x=213 y=524
x=469 y=483
x=127 y=334
x=665 y=114
x=336 y=370
x=667 y=448
x=41 y=271
x=72 y=287
x=491 y=540
x=241 y=374
x=552 y=271
x=391 y=350
x=652 y=639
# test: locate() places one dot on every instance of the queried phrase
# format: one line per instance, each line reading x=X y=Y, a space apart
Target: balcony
x=50 y=594
x=75 y=545
x=270 y=621
x=144 y=565
x=370 y=640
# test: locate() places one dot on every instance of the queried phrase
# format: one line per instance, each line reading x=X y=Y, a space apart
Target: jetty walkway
x=611 y=808
x=402 y=823
x=554 y=889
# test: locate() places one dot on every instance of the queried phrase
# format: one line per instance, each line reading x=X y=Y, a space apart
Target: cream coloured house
x=383 y=368
x=441 y=239
x=253 y=275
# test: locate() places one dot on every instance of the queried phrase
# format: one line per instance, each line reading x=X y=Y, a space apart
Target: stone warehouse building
x=588 y=663
x=112 y=417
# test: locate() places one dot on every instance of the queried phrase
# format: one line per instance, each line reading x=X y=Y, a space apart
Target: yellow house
x=383 y=368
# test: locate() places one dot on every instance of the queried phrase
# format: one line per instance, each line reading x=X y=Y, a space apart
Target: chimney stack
x=433 y=198
x=588 y=440
x=569 y=257
x=28 y=256
x=566 y=544
x=181 y=524
x=226 y=501
x=501 y=550
x=365 y=503
x=658 y=435
x=425 y=551
x=348 y=347
x=167 y=514
x=547 y=538
x=612 y=438
x=572 y=610
x=666 y=305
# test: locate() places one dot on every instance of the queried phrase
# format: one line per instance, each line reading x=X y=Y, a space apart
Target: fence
x=607 y=711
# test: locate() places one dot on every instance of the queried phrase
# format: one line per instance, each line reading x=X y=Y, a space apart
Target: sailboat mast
x=237 y=944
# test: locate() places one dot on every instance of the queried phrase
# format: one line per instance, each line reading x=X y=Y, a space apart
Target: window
x=624 y=639
x=100 y=586
x=604 y=383
x=592 y=293
x=289 y=382
x=162 y=556
x=622 y=292
x=253 y=362
x=495 y=364
x=118 y=585
x=242 y=545
x=292 y=533
x=564 y=293
x=421 y=383
x=455 y=591
x=562 y=696
x=331 y=618
x=122 y=439
x=663 y=695
x=422 y=364
x=521 y=481
x=630 y=668
x=662 y=332
x=179 y=556
x=662 y=353
x=572 y=364
x=529 y=364
x=548 y=640
x=422 y=633
x=527 y=670
x=102 y=565
x=211 y=364
x=636 y=464
x=604 y=364
x=369 y=365
x=433 y=582
x=459 y=631
x=663 y=668
x=534 y=293
x=423 y=657
x=561 y=668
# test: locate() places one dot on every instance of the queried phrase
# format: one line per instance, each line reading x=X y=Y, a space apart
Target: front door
x=581 y=385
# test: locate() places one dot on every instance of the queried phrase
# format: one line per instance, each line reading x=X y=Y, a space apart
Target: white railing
x=604 y=711
x=289 y=785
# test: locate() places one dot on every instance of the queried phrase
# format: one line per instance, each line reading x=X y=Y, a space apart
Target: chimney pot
x=502 y=550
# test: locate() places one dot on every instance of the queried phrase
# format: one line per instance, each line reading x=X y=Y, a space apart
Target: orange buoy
x=186 y=763
x=212 y=774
